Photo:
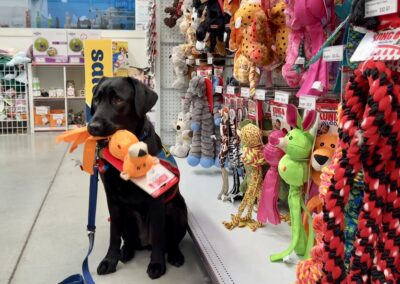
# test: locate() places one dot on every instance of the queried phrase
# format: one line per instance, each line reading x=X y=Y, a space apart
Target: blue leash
x=86 y=278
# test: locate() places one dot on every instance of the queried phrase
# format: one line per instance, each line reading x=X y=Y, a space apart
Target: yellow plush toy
x=277 y=14
x=255 y=43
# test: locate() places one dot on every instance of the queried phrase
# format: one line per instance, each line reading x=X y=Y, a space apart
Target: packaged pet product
x=120 y=58
x=42 y=116
x=76 y=40
x=50 y=46
x=327 y=118
x=278 y=116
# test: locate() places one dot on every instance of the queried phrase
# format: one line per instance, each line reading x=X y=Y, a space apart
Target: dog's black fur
x=136 y=218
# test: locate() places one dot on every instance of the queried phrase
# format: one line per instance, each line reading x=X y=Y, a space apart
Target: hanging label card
x=317 y=85
x=245 y=92
x=260 y=95
x=300 y=61
x=197 y=61
x=282 y=97
x=230 y=90
x=333 y=53
x=209 y=60
x=307 y=102
x=218 y=89
x=380 y=7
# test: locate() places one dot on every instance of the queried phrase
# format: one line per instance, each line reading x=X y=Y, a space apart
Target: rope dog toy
x=369 y=135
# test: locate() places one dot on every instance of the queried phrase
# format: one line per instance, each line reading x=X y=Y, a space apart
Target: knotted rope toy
x=252 y=156
x=297 y=145
x=369 y=135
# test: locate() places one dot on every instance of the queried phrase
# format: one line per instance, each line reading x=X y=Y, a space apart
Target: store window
x=69 y=14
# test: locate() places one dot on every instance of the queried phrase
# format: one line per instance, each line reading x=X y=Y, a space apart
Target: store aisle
x=58 y=239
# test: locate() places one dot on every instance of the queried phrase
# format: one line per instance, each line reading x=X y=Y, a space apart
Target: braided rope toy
x=369 y=134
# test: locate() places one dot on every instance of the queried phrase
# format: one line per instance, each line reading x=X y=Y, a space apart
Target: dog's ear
x=95 y=90
x=145 y=98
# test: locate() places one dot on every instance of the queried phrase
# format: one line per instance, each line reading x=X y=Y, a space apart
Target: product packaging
x=50 y=46
x=120 y=58
x=76 y=40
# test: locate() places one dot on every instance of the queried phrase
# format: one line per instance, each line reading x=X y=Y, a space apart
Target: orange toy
x=325 y=145
x=80 y=136
x=120 y=142
x=137 y=162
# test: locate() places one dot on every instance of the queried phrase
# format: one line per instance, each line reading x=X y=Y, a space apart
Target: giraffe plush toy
x=253 y=157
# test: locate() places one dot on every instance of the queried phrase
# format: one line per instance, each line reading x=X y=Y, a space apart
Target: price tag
x=317 y=85
x=282 y=97
x=230 y=90
x=307 y=102
x=300 y=61
x=380 y=7
x=245 y=92
x=218 y=89
x=209 y=60
x=333 y=53
x=197 y=61
x=260 y=95
x=188 y=61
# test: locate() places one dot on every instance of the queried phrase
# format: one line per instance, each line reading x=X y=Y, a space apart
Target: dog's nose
x=178 y=127
x=94 y=128
x=321 y=159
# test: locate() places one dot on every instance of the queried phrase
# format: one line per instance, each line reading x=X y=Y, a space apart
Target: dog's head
x=119 y=103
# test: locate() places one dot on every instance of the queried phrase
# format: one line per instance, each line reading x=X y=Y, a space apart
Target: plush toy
x=217 y=105
x=174 y=12
x=19 y=58
x=255 y=43
x=253 y=157
x=230 y=8
x=202 y=149
x=292 y=168
x=321 y=157
x=277 y=14
x=213 y=24
x=268 y=204
x=306 y=19
x=178 y=59
x=183 y=136
x=120 y=142
x=137 y=162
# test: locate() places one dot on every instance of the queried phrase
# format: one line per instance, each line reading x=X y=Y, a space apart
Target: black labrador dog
x=136 y=218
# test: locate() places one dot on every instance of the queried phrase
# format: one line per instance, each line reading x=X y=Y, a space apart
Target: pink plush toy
x=268 y=205
x=306 y=19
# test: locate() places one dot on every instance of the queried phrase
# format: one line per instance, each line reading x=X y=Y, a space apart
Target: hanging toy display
x=297 y=145
x=268 y=203
x=277 y=14
x=369 y=139
x=202 y=149
x=252 y=156
x=223 y=153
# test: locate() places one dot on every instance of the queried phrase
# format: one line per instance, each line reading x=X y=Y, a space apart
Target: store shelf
x=34 y=64
x=239 y=256
x=48 y=98
x=75 y=98
x=50 y=128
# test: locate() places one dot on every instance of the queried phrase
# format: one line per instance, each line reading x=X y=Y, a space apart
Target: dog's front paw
x=127 y=253
x=176 y=258
x=107 y=266
x=156 y=270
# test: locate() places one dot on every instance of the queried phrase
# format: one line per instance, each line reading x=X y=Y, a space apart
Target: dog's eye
x=116 y=100
x=138 y=168
x=333 y=146
x=322 y=144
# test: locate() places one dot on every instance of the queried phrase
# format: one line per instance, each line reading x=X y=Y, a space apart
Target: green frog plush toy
x=293 y=169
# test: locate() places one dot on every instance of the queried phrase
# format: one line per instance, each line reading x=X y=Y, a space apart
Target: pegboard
x=167 y=70
x=170 y=107
x=169 y=35
x=13 y=100
x=170 y=102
